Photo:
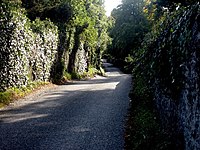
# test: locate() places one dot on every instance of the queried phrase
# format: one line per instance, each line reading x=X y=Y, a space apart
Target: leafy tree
x=130 y=27
x=79 y=22
x=165 y=67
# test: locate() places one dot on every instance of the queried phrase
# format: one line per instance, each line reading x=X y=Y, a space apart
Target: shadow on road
x=82 y=115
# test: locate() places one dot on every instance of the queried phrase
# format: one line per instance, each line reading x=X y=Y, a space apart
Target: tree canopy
x=158 y=42
x=129 y=28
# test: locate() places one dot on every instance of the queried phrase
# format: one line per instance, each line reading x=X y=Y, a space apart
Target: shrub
x=27 y=50
x=15 y=93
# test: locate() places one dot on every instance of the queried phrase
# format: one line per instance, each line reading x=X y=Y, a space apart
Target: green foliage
x=162 y=63
x=87 y=74
x=26 y=54
x=102 y=72
x=6 y=97
x=166 y=49
x=128 y=63
x=144 y=129
x=158 y=41
x=41 y=40
x=171 y=4
x=92 y=71
x=57 y=10
x=75 y=75
x=130 y=27
x=83 y=23
x=12 y=30
x=15 y=93
x=67 y=76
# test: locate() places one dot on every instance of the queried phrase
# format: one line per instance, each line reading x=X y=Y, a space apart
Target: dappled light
x=158 y=42
x=99 y=74
x=14 y=118
x=78 y=114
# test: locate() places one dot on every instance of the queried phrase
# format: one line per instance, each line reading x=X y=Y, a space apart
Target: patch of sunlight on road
x=95 y=87
x=13 y=118
x=51 y=97
x=106 y=86
x=114 y=74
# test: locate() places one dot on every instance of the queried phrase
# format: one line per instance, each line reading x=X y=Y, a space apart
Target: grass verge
x=143 y=130
x=15 y=93
x=75 y=76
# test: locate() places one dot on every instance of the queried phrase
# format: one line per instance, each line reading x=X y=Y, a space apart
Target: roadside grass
x=143 y=130
x=11 y=94
x=102 y=72
x=88 y=74
x=15 y=93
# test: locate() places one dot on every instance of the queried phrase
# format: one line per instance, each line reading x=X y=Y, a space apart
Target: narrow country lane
x=83 y=115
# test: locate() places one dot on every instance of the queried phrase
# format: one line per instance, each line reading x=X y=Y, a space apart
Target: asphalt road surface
x=83 y=115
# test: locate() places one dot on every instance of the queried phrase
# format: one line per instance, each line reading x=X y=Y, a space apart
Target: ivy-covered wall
x=27 y=50
x=170 y=67
x=81 y=60
x=41 y=50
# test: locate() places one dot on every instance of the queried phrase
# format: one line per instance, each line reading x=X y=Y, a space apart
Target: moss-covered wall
x=167 y=74
x=81 y=60
x=27 y=50
x=36 y=50
x=175 y=65
x=44 y=49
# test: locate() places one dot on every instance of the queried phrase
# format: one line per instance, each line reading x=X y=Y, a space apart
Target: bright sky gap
x=110 y=5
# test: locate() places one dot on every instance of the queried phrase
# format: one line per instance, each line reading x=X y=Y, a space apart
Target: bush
x=167 y=67
x=27 y=50
x=143 y=129
x=15 y=93
x=75 y=75
x=67 y=76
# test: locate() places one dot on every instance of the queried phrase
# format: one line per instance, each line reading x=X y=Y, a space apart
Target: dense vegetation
x=50 y=40
x=80 y=24
x=158 y=41
x=155 y=40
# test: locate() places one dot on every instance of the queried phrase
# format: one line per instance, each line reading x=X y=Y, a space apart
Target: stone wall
x=179 y=105
x=81 y=60
x=27 y=50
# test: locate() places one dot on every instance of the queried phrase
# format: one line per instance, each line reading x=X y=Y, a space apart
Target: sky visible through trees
x=110 y=5
x=157 y=41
